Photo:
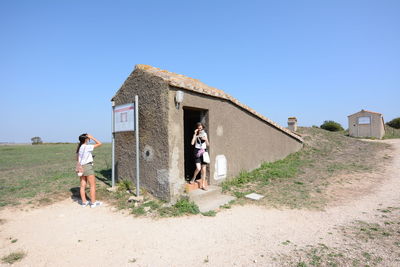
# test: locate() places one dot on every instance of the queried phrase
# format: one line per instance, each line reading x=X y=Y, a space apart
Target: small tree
x=332 y=126
x=36 y=140
x=395 y=123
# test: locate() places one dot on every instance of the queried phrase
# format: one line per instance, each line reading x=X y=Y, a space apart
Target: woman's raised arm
x=98 y=143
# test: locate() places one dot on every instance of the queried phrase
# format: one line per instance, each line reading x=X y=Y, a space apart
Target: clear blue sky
x=62 y=61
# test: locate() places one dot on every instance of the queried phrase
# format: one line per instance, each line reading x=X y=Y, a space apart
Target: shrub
x=36 y=140
x=395 y=123
x=125 y=185
x=332 y=126
x=13 y=257
x=391 y=132
x=182 y=206
x=210 y=213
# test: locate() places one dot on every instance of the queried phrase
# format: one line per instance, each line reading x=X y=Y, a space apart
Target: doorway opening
x=191 y=116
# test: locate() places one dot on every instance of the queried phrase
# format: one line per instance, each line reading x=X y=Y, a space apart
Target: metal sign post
x=137 y=144
x=126 y=119
x=113 y=145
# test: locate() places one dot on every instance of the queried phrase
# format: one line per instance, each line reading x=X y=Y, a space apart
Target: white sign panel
x=220 y=167
x=124 y=118
x=364 y=120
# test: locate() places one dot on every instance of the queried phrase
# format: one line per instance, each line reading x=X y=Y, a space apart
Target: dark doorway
x=191 y=116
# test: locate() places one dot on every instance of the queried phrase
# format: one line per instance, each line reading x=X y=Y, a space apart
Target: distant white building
x=366 y=124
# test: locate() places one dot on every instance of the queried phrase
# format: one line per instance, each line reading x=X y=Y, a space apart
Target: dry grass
x=391 y=132
x=303 y=179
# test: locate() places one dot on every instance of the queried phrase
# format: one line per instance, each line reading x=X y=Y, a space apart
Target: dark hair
x=198 y=124
x=82 y=138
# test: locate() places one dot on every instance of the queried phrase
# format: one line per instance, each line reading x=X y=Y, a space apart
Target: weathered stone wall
x=153 y=134
x=245 y=140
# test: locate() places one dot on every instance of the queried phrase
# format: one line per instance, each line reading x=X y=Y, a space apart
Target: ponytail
x=79 y=146
x=82 y=138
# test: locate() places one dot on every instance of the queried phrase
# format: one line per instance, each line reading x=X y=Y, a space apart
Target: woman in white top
x=200 y=142
x=85 y=158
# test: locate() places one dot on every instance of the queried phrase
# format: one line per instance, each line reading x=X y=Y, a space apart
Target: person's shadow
x=105 y=176
x=75 y=194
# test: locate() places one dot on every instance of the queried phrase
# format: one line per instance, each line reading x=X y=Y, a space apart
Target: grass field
x=41 y=174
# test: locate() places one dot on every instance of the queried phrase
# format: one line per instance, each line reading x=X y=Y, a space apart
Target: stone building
x=366 y=124
x=240 y=138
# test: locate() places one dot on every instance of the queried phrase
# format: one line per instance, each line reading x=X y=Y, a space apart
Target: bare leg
x=196 y=171
x=203 y=177
x=83 y=188
x=92 y=183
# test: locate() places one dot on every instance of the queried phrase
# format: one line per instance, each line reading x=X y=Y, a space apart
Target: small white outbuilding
x=366 y=124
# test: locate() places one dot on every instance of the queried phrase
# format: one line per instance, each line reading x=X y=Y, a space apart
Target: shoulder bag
x=79 y=167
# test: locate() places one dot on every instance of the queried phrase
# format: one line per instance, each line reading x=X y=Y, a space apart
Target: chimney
x=292 y=124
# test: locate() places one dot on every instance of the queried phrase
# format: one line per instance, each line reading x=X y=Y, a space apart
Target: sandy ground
x=64 y=234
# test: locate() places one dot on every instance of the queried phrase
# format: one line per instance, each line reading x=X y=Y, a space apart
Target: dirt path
x=65 y=234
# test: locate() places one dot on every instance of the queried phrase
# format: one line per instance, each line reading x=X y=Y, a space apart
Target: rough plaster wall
x=245 y=140
x=177 y=157
x=377 y=127
x=352 y=128
x=153 y=134
x=380 y=127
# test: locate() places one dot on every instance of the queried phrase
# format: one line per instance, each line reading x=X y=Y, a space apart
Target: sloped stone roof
x=184 y=82
x=367 y=111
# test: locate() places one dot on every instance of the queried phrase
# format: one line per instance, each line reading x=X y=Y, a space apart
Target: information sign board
x=124 y=118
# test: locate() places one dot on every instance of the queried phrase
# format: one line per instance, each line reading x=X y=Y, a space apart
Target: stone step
x=211 y=199
x=192 y=187
x=199 y=194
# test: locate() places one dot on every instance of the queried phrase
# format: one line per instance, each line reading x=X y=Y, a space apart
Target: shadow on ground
x=105 y=176
x=75 y=195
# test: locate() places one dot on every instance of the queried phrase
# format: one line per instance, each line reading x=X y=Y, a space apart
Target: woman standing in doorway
x=200 y=142
x=85 y=158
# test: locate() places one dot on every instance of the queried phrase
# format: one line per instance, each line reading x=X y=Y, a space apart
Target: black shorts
x=198 y=159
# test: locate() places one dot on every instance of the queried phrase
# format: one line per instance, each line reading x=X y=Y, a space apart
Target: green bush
x=125 y=185
x=36 y=140
x=391 y=132
x=182 y=206
x=395 y=123
x=332 y=126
